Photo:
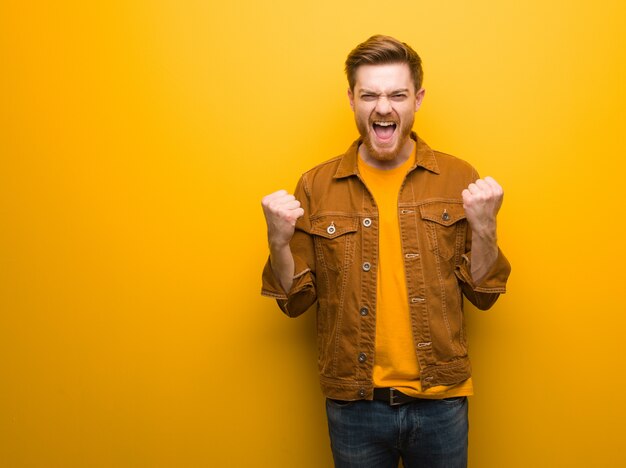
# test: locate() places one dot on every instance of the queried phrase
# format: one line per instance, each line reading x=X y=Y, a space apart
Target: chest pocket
x=445 y=226
x=334 y=238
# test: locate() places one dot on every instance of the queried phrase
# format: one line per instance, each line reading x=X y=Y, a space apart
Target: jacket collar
x=425 y=158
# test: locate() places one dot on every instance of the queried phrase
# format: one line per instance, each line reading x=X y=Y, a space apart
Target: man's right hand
x=281 y=210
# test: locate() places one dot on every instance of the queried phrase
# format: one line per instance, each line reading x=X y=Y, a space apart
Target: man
x=387 y=238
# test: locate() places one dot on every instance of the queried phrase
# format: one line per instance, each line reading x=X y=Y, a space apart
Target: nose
x=383 y=106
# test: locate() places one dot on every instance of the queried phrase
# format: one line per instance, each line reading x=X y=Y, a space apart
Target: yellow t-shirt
x=395 y=363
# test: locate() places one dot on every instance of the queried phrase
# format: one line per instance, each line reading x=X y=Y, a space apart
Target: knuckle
x=276 y=208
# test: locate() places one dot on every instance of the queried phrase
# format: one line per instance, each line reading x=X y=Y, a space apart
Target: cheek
x=364 y=115
x=408 y=113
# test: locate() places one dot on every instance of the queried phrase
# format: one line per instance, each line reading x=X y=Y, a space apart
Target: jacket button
x=362 y=357
x=364 y=311
x=367 y=266
x=331 y=229
x=445 y=216
x=362 y=393
x=367 y=222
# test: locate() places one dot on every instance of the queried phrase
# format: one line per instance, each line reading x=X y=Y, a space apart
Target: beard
x=389 y=153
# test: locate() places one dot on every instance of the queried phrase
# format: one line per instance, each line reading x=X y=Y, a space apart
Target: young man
x=387 y=238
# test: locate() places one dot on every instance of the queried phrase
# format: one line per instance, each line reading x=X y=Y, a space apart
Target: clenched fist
x=482 y=201
x=281 y=210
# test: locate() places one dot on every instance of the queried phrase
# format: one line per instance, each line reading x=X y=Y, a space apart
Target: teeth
x=384 y=124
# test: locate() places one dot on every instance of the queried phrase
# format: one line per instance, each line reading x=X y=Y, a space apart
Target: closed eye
x=368 y=97
x=398 y=97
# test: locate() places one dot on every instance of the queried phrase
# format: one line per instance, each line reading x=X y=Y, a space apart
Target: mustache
x=393 y=121
x=384 y=118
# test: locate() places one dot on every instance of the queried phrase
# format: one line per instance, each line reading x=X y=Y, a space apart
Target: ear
x=419 y=96
x=351 y=98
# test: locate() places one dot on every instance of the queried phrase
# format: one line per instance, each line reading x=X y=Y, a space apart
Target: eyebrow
x=395 y=91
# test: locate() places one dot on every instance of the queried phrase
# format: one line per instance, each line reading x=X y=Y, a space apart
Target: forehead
x=383 y=78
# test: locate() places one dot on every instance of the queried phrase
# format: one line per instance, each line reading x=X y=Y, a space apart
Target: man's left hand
x=481 y=201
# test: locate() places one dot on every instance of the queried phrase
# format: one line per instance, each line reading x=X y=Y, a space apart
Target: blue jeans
x=424 y=433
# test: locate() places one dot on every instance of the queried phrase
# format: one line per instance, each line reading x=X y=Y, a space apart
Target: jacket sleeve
x=485 y=294
x=302 y=294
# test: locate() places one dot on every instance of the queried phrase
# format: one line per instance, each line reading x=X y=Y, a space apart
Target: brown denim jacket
x=335 y=248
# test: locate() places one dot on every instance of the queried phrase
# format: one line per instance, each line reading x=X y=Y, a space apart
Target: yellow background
x=136 y=141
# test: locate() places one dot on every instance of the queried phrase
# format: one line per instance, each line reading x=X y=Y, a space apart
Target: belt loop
x=392 y=397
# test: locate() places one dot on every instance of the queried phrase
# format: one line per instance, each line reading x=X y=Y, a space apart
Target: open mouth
x=384 y=130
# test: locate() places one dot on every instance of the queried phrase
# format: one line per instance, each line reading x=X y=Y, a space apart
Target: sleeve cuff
x=493 y=282
x=301 y=295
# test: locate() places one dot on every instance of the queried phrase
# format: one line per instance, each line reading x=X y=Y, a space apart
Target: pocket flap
x=330 y=227
x=444 y=213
